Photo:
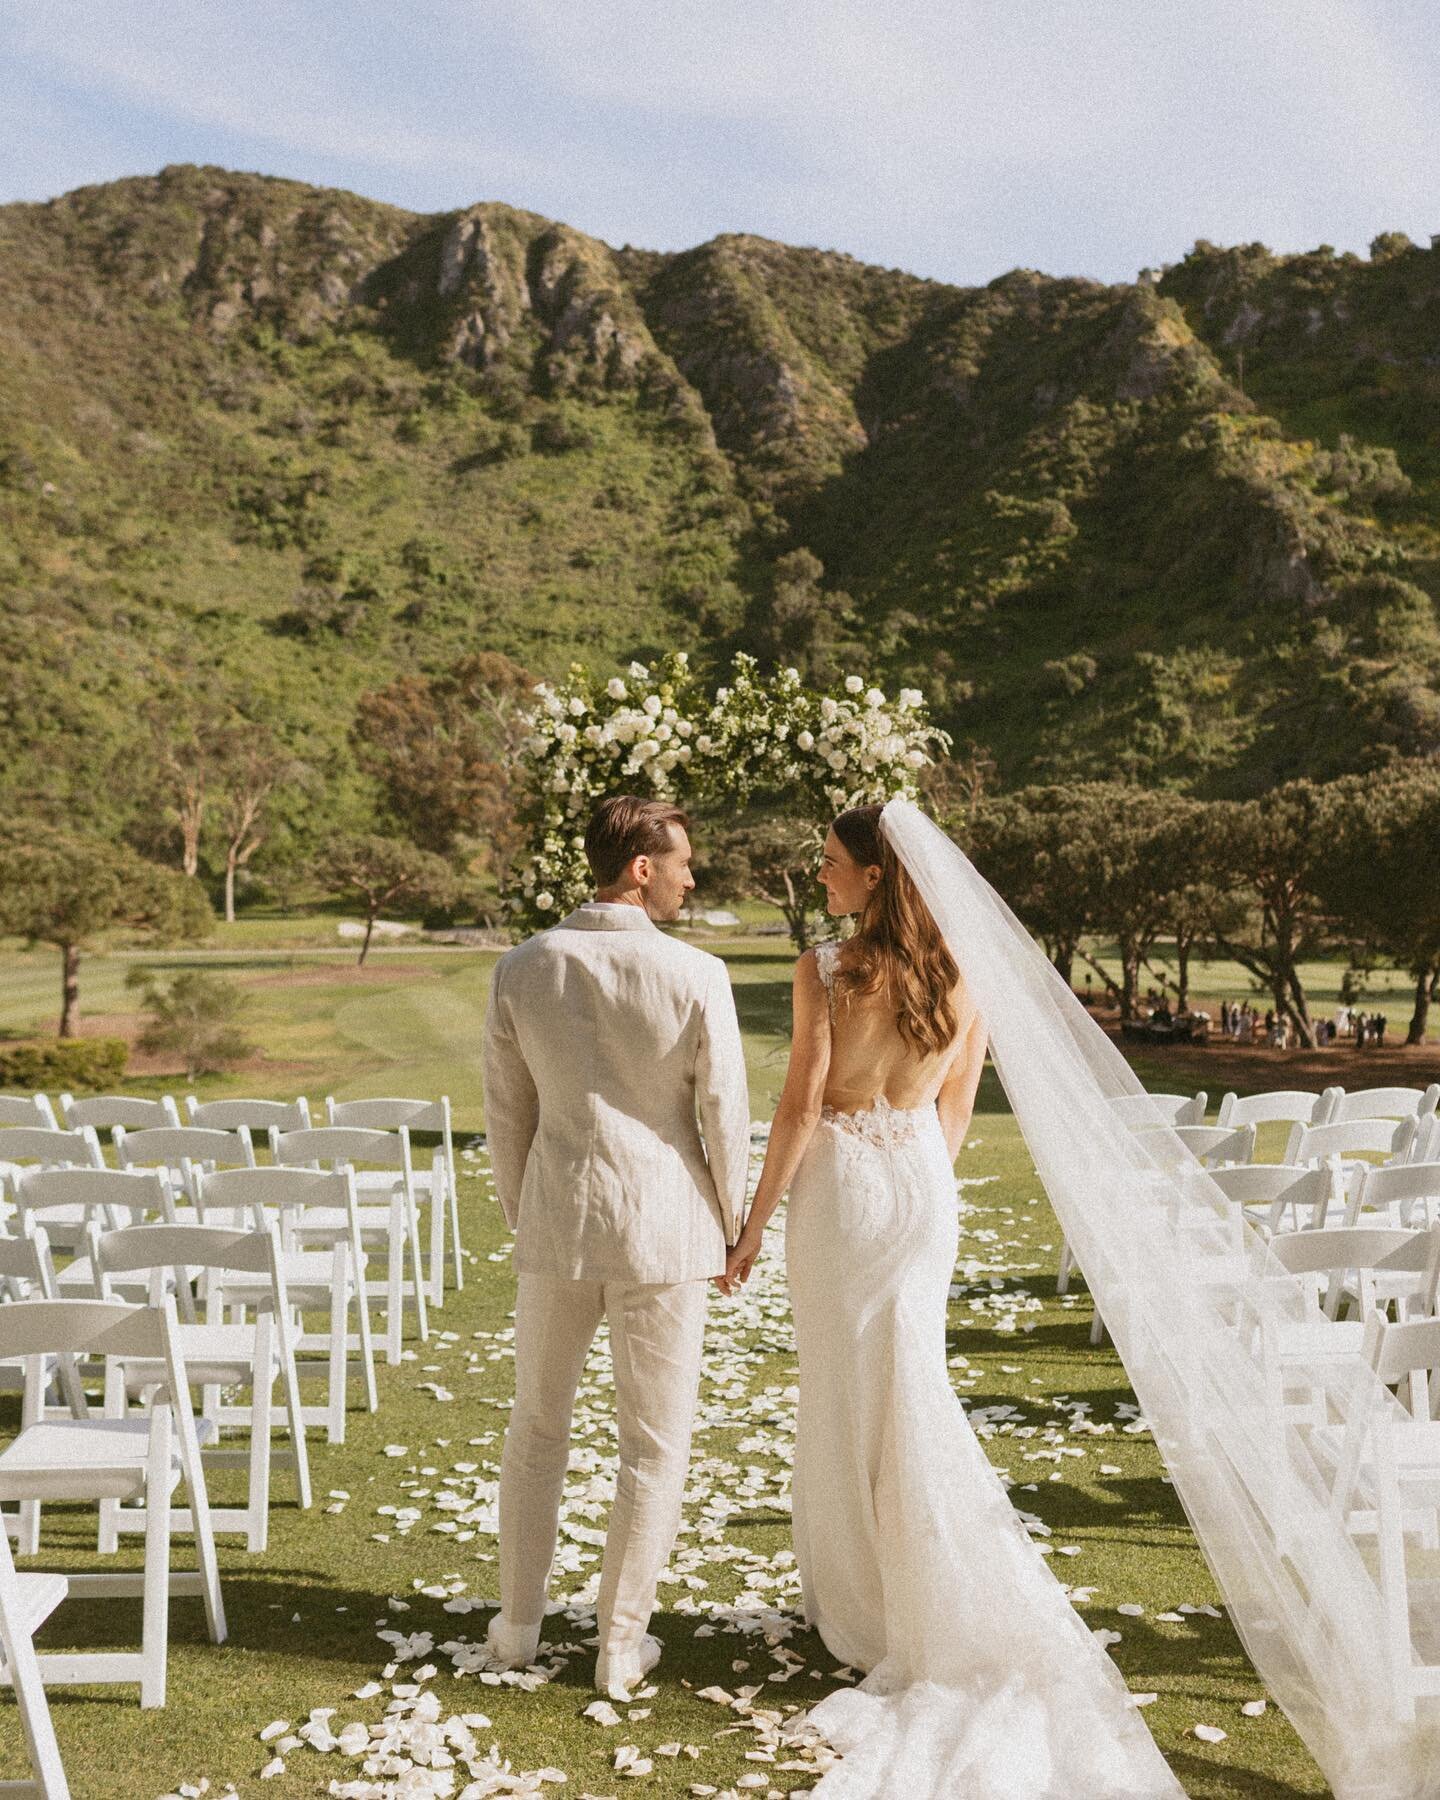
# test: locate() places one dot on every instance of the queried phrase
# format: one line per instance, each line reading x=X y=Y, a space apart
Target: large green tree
x=1270 y=853
x=382 y=871
x=64 y=889
x=1381 y=873
x=771 y=857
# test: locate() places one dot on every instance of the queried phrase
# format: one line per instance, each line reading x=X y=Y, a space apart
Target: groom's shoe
x=616 y=1676
x=512 y=1646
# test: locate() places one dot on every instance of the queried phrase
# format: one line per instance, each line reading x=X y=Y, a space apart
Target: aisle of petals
x=394 y=1738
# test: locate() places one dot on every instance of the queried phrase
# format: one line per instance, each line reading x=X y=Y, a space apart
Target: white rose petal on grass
x=276 y=1766
x=1254 y=1709
x=1144 y=1699
x=602 y=1712
x=395 y=1450
x=277 y=1729
x=1131 y=1610
x=1208 y=1734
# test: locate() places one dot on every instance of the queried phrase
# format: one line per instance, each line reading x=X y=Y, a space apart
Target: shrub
x=77 y=1065
x=194 y=1018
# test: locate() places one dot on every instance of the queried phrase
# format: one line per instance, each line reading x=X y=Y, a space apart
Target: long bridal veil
x=1201 y=1313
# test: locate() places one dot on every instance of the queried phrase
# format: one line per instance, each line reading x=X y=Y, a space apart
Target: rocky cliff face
x=1157 y=526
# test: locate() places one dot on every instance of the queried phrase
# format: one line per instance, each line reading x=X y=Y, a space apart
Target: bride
x=983 y=1681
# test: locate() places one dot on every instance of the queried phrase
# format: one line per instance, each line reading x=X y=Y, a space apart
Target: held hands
x=738 y=1262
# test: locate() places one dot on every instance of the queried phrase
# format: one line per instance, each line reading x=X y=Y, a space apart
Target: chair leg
x=339 y=1368
x=294 y=1418
x=1067 y=1263
x=257 y=1523
x=367 y=1342
x=49 y=1771
x=155 y=1628
x=394 y=1292
x=201 y=1525
x=437 y=1247
x=422 y=1314
x=454 y=1208
x=27 y=1540
x=1097 y=1328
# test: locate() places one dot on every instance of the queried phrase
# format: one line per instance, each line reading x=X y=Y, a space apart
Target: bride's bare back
x=870 y=1060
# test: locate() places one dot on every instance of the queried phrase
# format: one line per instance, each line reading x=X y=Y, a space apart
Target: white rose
x=805 y=741
x=684 y=753
x=682 y=657
x=909 y=697
x=594 y=735
x=837 y=759
x=638 y=672
x=560 y=784
x=853 y=684
x=544 y=902
x=615 y=688
x=828 y=709
x=652 y=706
x=663 y=732
x=684 y=728
x=874 y=697
x=536 y=745
x=566 y=733
x=791 y=675
x=577 y=843
x=704 y=744
x=577 y=708
x=917 y=759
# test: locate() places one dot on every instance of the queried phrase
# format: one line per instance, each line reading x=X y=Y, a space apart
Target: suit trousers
x=656 y=1331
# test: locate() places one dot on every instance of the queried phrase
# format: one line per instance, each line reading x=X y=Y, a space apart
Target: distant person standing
x=1360 y=1023
x=1225 y=1018
x=1379 y=1023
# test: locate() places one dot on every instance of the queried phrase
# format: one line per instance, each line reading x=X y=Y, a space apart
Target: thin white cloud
x=957 y=139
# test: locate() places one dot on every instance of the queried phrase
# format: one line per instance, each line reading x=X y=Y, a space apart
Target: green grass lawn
x=304 y=1617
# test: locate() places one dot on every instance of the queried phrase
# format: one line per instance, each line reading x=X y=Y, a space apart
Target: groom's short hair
x=624 y=827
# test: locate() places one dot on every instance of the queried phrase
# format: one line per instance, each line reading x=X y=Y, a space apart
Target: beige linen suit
x=609 y=1047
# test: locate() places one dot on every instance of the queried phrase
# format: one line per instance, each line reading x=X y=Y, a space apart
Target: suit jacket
x=603 y=1040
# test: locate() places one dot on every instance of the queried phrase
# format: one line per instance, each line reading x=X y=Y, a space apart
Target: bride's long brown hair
x=897 y=947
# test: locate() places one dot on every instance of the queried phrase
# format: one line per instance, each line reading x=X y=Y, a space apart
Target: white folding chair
x=26 y=1601
x=323 y=1262
x=1143 y=1110
x=1425 y=1145
x=1274 y=1197
x=120 y=1459
x=268 y=1116
x=218 y=1355
x=105 y=1111
x=393 y=1223
x=1215 y=1145
x=440 y=1183
x=26 y=1146
x=1387 y=1484
x=68 y=1201
x=1281 y=1106
x=1384 y=1103
x=27 y=1272
x=181 y=1151
x=28 y=1109
x=1405 y=1194
x=1140 y=1112
x=1365 y=1267
x=1350 y=1139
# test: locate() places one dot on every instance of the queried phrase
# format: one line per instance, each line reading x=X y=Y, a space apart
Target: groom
x=604 y=1039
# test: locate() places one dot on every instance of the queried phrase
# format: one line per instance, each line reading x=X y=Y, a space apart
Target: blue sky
x=957 y=138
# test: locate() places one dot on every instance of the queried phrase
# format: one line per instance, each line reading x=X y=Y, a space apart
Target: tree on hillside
x=1381 y=874
x=1271 y=853
x=380 y=871
x=441 y=748
x=63 y=889
x=250 y=766
x=771 y=857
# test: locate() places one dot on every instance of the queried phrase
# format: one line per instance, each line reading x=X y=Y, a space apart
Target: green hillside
x=290 y=442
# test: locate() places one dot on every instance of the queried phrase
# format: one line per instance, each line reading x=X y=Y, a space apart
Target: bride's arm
x=956 y=1100
x=796 y=1115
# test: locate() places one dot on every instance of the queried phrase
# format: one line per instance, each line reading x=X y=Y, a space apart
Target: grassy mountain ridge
x=292 y=441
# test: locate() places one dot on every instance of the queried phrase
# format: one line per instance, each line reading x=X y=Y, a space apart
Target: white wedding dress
x=983 y=1682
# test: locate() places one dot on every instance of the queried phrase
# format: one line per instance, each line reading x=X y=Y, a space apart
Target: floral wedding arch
x=654 y=730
